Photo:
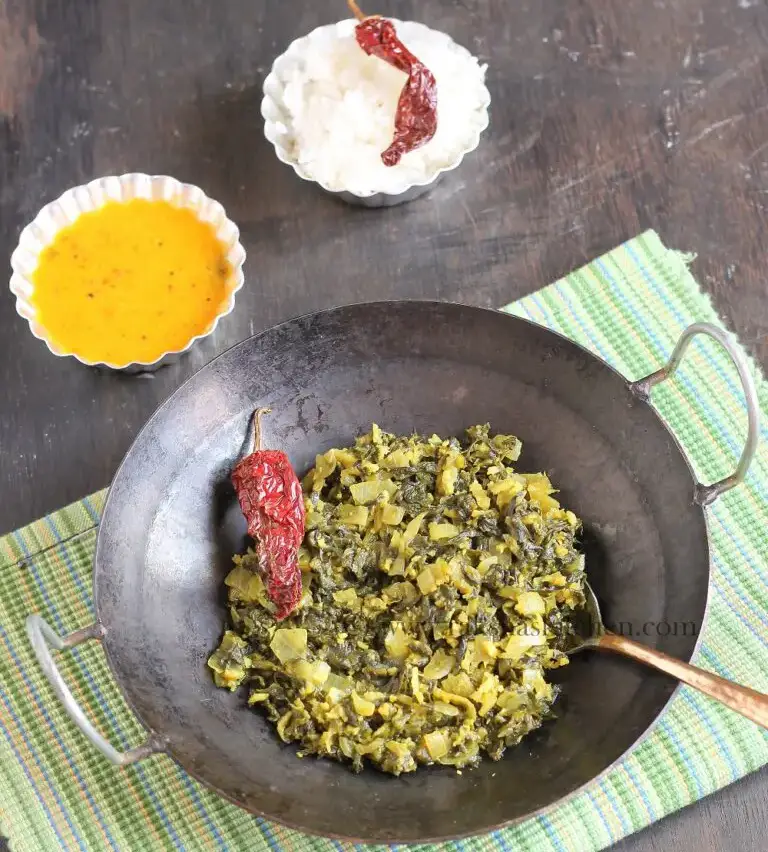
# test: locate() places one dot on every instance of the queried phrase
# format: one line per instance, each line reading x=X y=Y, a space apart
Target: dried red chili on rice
x=416 y=116
x=271 y=499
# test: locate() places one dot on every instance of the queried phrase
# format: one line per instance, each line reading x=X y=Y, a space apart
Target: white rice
x=339 y=109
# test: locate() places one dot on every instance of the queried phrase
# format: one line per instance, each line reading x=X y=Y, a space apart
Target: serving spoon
x=742 y=699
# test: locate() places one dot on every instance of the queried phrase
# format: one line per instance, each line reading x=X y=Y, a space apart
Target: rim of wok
x=417 y=840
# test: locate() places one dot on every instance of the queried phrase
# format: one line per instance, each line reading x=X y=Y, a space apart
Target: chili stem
x=260 y=412
x=355 y=9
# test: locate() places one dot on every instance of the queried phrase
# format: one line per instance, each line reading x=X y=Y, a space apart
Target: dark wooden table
x=608 y=118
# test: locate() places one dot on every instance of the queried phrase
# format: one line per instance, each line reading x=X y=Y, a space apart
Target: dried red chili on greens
x=270 y=496
x=416 y=116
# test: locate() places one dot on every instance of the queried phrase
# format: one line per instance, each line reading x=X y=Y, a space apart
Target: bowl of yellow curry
x=127 y=272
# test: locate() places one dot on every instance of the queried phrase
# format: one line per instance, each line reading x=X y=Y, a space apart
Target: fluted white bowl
x=65 y=210
x=277 y=121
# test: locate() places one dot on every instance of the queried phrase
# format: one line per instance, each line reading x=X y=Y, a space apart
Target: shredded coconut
x=339 y=109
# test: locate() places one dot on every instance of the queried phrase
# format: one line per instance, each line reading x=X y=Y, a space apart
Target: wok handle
x=750 y=703
x=706 y=494
x=43 y=637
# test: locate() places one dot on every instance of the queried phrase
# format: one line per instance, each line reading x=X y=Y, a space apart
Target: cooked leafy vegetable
x=438 y=588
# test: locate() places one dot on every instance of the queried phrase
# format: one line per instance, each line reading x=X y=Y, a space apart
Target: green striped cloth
x=628 y=307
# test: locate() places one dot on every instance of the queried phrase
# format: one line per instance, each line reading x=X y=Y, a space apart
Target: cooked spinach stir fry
x=438 y=588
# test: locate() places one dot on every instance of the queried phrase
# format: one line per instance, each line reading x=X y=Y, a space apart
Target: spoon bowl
x=588 y=623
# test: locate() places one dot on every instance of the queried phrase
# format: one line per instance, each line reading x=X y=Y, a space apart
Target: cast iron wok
x=171 y=526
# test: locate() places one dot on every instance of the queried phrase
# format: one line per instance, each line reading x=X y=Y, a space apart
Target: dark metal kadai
x=172 y=524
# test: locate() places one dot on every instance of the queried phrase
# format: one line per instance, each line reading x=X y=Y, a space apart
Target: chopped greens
x=438 y=589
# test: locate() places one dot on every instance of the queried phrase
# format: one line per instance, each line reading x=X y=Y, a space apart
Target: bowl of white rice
x=329 y=110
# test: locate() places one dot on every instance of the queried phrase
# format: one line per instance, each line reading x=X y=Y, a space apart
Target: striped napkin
x=627 y=307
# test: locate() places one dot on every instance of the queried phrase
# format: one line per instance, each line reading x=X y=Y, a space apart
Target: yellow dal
x=130 y=281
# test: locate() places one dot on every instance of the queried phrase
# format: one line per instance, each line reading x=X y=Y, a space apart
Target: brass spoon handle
x=742 y=699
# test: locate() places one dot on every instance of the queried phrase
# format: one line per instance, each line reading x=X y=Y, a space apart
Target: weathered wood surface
x=608 y=118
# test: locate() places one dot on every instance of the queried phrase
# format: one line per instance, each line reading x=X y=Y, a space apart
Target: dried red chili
x=416 y=117
x=271 y=499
